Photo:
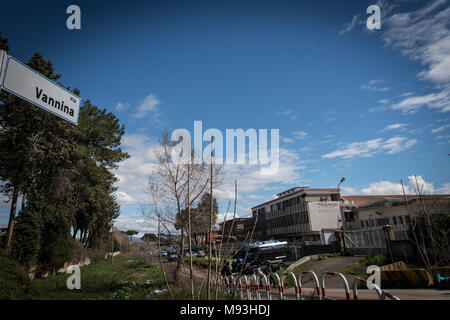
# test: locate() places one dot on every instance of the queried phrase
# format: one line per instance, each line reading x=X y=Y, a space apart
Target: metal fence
x=400 y=233
x=259 y=287
x=373 y=238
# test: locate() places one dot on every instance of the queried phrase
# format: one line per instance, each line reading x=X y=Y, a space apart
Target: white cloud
x=396 y=126
x=221 y=217
x=287 y=113
x=349 y=190
x=122 y=106
x=440 y=101
x=371 y=147
x=136 y=222
x=357 y=20
x=383 y=187
x=423 y=35
x=287 y=140
x=122 y=197
x=149 y=104
x=441 y=128
x=406 y=94
x=371 y=86
x=300 y=135
x=134 y=171
x=133 y=174
x=250 y=179
x=411 y=187
x=378 y=109
x=445 y=189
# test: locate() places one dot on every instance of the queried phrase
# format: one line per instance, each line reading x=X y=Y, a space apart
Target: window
x=362 y=224
x=382 y=222
x=400 y=219
x=394 y=220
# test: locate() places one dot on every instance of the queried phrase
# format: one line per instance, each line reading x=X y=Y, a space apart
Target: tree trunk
x=12 y=216
x=191 y=278
x=160 y=258
x=210 y=226
x=24 y=201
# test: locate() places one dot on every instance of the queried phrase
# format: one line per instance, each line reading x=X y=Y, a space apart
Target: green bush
x=14 y=282
x=378 y=260
x=200 y=262
x=57 y=243
x=26 y=237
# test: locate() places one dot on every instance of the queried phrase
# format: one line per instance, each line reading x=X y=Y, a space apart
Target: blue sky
x=370 y=105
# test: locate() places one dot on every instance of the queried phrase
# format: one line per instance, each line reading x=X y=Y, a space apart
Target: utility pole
x=340 y=202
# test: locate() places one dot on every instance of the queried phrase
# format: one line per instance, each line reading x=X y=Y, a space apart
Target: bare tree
x=155 y=196
x=180 y=185
x=429 y=229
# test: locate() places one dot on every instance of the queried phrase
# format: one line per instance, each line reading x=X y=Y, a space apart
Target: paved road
x=332 y=264
x=335 y=285
x=403 y=294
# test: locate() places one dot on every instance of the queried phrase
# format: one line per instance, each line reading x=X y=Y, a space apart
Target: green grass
x=379 y=260
x=102 y=281
x=201 y=262
x=327 y=256
x=14 y=282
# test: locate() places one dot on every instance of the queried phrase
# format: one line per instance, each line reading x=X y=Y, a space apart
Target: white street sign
x=22 y=81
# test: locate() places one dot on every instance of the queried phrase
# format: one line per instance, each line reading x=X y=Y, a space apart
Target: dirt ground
x=199 y=274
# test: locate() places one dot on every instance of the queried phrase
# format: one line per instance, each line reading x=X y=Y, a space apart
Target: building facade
x=370 y=212
x=298 y=215
x=238 y=229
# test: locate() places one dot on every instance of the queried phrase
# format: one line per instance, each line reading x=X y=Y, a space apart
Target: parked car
x=200 y=253
x=193 y=254
x=172 y=254
x=163 y=253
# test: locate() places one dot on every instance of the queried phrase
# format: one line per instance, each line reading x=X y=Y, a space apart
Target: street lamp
x=340 y=204
x=342 y=180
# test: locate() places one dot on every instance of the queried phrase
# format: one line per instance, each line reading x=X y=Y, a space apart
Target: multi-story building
x=298 y=214
x=238 y=228
x=369 y=212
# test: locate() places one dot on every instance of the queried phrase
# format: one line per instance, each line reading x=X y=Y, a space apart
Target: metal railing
x=254 y=286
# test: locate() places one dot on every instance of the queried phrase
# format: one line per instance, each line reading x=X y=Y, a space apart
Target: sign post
x=22 y=81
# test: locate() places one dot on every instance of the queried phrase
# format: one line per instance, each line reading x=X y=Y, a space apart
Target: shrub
x=26 y=237
x=14 y=281
x=378 y=260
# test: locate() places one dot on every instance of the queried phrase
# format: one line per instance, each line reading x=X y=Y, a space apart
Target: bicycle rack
x=347 y=289
x=316 y=280
x=280 y=284
x=297 y=291
x=382 y=294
